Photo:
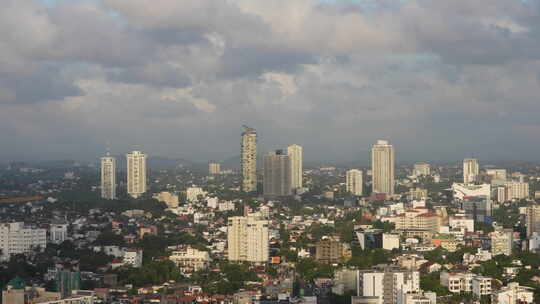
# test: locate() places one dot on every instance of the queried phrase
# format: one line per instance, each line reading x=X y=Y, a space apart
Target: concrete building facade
x=108 y=177
x=277 y=174
x=18 y=238
x=354 y=183
x=470 y=170
x=248 y=239
x=248 y=160
x=136 y=173
x=295 y=153
x=382 y=166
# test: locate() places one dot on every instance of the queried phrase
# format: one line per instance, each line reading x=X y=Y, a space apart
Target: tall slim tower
x=136 y=173
x=532 y=219
x=382 y=167
x=354 y=182
x=295 y=157
x=249 y=159
x=470 y=170
x=108 y=177
x=277 y=174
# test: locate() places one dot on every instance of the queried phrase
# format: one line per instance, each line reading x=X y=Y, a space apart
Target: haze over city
x=441 y=80
x=269 y=151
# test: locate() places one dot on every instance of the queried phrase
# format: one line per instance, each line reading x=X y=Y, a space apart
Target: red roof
x=430 y=214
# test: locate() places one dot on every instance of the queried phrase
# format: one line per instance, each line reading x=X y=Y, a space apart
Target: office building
x=382 y=166
x=390 y=241
x=461 y=222
x=417 y=219
x=17 y=292
x=532 y=219
x=502 y=242
x=58 y=233
x=345 y=281
x=422 y=169
x=501 y=194
x=517 y=190
x=368 y=238
x=354 y=182
x=249 y=160
x=277 y=174
x=470 y=170
x=248 y=239
x=296 y=158
x=498 y=176
x=512 y=294
x=17 y=238
x=417 y=194
x=332 y=251
x=194 y=193
x=67 y=281
x=214 y=168
x=461 y=191
x=388 y=283
x=108 y=177
x=190 y=259
x=136 y=173
x=480 y=208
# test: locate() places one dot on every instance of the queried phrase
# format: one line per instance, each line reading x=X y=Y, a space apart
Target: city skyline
x=276 y=152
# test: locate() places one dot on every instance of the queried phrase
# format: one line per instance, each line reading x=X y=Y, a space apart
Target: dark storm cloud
x=45 y=83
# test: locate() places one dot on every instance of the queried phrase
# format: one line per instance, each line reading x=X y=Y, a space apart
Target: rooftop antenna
x=248 y=129
x=108 y=148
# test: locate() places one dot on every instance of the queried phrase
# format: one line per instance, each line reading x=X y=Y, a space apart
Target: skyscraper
x=295 y=157
x=354 y=182
x=247 y=239
x=470 y=170
x=277 y=174
x=249 y=159
x=136 y=173
x=382 y=166
x=108 y=177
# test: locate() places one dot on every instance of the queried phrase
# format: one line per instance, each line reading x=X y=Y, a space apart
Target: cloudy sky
x=441 y=80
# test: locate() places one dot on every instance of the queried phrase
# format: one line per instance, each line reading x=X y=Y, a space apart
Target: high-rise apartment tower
x=354 y=182
x=108 y=177
x=382 y=167
x=295 y=156
x=277 y=174
x=136 y=173
x=470 y=170
x=249 y=159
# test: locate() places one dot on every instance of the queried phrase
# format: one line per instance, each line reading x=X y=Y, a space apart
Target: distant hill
x=157 y=162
